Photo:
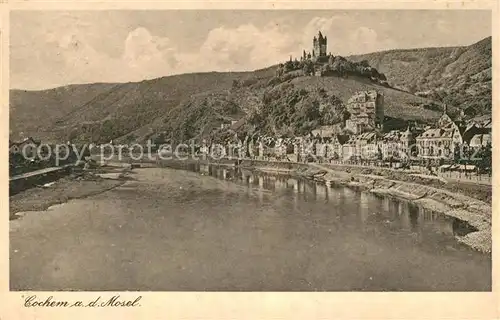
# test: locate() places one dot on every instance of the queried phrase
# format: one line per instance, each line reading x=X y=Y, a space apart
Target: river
x=230 y=230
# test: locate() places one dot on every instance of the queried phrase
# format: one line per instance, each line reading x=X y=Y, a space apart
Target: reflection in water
x=364 y=209
x=370 y=208
x=413 y=212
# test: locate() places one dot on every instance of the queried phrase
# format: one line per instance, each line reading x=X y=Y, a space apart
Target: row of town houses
x=361 y=137
x=367 y=141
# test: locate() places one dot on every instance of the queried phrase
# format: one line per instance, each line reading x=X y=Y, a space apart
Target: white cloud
x=147 y=52
x=245 y=47
x=71 y=56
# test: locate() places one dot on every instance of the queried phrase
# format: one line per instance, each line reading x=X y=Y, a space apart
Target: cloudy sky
x=53 y=48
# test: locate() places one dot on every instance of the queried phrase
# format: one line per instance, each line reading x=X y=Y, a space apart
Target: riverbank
x=74 y=186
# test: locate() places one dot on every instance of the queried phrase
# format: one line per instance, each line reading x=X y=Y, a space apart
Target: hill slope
x=92 y=110
x=193 y=105
x=460 y=76
x=204 y=112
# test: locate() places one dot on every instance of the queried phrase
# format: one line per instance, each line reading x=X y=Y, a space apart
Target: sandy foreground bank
x=71 y=187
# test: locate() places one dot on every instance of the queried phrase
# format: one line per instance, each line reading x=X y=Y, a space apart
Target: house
x=303 y=147
x=439 y=143
x=280 y=148
x=366 y=109
x=390 y=145
x=473 y=130
x=435 y=143
x=13 y=147
x=480 y=140
x=407 y=144
x=331 y=147
x=361 y=146
x=366 y=145
x=28 y=147
x=397 y=144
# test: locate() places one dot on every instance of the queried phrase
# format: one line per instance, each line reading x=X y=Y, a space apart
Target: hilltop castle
x=319 y=46
x=318 y=50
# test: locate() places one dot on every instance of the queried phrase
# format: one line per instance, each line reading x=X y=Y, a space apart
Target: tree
x=289 y=65
x=364 y=63
x=485 y=162
x=308 y=67
x=130 y=138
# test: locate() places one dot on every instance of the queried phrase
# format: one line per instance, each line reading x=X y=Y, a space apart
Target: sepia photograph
x=250 y=150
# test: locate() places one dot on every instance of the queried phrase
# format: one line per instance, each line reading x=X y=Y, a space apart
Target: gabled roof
x=366 y=136
x=28 y=140
x=392 y=135
x=238 y=124
x=432 y=133
x=448 y=133
x=407 y=134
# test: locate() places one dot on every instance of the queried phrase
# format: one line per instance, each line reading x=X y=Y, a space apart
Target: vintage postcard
x=258 y=160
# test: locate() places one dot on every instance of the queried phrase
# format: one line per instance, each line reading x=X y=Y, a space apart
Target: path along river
x=223 y=229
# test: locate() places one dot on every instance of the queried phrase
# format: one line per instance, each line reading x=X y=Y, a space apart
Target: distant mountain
x=102 y=111
x=195 y=105
x=460 y=76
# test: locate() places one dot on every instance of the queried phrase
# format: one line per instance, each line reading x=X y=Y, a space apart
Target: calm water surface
x=222 y=229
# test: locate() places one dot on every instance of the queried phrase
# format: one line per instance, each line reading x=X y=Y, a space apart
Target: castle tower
x=319 y=45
